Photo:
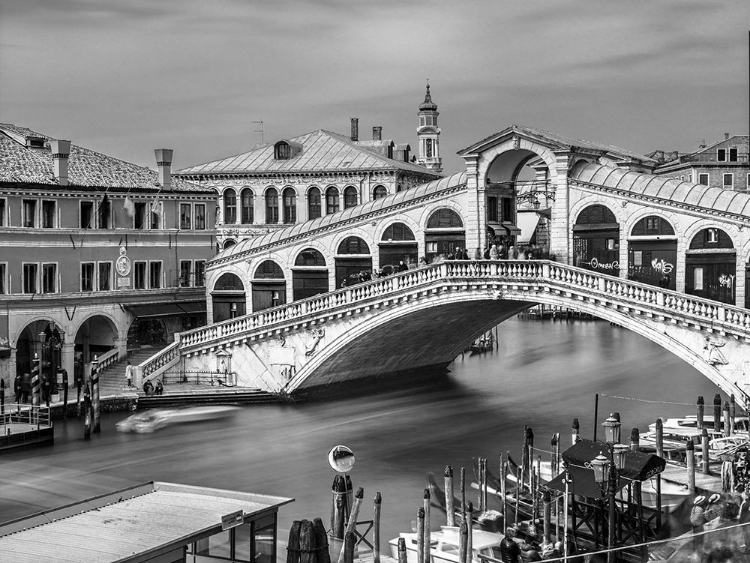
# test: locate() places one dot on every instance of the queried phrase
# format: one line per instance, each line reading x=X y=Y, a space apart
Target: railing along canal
x=544 y=274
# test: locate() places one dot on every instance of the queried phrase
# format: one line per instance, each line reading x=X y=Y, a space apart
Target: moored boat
x=444 y=545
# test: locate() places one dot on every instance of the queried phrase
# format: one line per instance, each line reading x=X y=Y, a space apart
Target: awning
x=639 y=466
x=155 y=310
x=581 y=483
x=527 y=223
x=503 y=228
x=192 y=307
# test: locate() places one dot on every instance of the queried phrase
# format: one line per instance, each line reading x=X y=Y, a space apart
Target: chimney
x=164 y=162
x=726 y=136
x=377 y=133
x=60 y=153
x=355 y=129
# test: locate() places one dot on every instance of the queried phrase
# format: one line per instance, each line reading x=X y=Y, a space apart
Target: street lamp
x=606 y=475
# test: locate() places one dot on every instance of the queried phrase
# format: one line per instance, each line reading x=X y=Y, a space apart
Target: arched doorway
x=652 y=253
x=397 y=243
x=353 y=262
x=596 y=241
x=310 y=275
x=711 y=266
x=40 y=339
x=444 y=234
x=228 y=297
x=269 y=286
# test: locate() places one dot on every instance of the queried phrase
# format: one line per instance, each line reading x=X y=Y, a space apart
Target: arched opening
x=269 y=286
x=309 y=275
x=380 y=192
x=230 y=206
x=272 y=206
x=248 y=206
x=42 y=340
x=95 y=337
x=596 y=241
x=229 y=243
x=397 y=245
x=353 y=262
x=290 y=206
x=332 y=200
x=444 y=235
x=711 y=266
x=228 y=297
x=313 y=203
x=652 y=253
x=350 y=197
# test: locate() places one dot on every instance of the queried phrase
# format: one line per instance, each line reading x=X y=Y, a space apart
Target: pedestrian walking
x=17 y=387
x=129 y=374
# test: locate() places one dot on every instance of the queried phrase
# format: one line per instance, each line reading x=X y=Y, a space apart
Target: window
x=721 y=155
x=2 y=212
x=186 y=216
x=689 y=177
x=157 y=211
x=87 y=215
x=282 y=151
x=48 y=214
x=748 y=182
x=154 y=275
x=139 y=216
x=728 y=181
x=248 y=207
x=507 y=209
x=200 y=216
x=445 y=218
x=29 y=213
x=492 y=209
x=332 y=200
x=733 y=155
x=200 y=273
x=638 y=258
x=612 y=244
x=712 y=235
x=379 y=192
x=104 y=213
x=350 y=197
x=87 y=276
x=29 y=278
x=230 y=207
x=313 y=203
x=184 y=273
x=703 y=179
x=698 y=279
x=4 y=279
x=139 y=272
x=105 y=276
x=49 y=278
x=652 y=223
x=272 y=206
x=290 y=206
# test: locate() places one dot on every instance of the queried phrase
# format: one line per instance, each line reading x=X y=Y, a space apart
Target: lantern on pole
x=611 y=430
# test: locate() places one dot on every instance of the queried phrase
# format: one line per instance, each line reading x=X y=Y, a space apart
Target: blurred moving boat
x=154 y=419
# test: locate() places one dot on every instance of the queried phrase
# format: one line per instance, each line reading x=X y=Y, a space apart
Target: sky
x=124 y=77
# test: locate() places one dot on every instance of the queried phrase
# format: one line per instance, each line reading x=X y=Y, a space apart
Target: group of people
x=149 y=388
x=714 y=513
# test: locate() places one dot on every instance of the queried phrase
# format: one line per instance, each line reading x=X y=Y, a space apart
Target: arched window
x=596 y=215
x=247 y=200
x=379 y=192
x=652 y=225
x=229 y=243
x=350 y=197
x=332 y=200
x=398 y=231
x=444 y=218
x=313 y=203
x=272 y=206
x=229 y=282
x=353 y=245
x=290 y=206
x=310 y=257
x=269 y=269
x=230 y=206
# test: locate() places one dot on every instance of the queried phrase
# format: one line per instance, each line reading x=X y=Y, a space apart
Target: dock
x=25 y=426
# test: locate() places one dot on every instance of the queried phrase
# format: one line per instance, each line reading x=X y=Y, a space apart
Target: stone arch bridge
x=427 y=316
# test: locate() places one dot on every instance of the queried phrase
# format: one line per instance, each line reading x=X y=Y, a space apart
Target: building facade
x=99 y=256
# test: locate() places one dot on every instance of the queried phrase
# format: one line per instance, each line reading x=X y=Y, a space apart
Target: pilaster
x=560 y=231
x=476 y=236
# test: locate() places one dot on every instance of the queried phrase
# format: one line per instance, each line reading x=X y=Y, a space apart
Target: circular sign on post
x=341 y=459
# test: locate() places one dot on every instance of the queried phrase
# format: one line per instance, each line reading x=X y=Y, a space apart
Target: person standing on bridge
x=129 y=374
x=493 y=252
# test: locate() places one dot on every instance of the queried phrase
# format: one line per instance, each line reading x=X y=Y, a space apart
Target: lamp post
x=606 y=474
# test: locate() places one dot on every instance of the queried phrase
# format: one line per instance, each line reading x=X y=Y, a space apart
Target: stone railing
x=108 y=358
x=543 y=275
x=160 y=362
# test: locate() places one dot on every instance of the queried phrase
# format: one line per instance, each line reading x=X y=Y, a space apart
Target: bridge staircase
x=238 y=396
x=112 y=375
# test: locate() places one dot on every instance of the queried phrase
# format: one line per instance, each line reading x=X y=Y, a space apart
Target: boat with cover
x=488 y=520
x=154 y=419
x=444 y=545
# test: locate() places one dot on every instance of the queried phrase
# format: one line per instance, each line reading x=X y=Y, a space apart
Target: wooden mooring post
x=376 y=528
x=463 y=555
x=427 y=543
x=449 y=514
x=660 y=453
x=700 y=407
x=727 y=424
x=95 y=394
x=87 y=412
x=463 y=489
x=576 y=431
x=338 y=508
x=401 y=550
x=469 y=533
x=690 y=454
x=717 y=412
x=732 y=413
x=351 y=524
x=420 y=536
x=704 y=451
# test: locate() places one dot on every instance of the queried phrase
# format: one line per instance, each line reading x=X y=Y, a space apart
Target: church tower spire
x=428 y=134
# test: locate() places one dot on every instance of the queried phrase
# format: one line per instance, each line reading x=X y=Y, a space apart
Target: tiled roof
x=396 y=199
x=561 y=141
x=665 y=188
x=86 y=168
x=322 y=151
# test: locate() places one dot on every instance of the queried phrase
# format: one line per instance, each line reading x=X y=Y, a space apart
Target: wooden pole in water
x=463 y=489
x=727 y=424
x=484 y=495
x=524 y=458
x=700 y=407
x=547 y=515
x=376 y=529
x=347 y=554
x=519 y=475
x=401 y=550
x=427 y=543
x=2 y=397
x=292 y=549
x=732 y=413
x=576 y=431
x=321 y=542
x=660 y=453
x=530 y=435
x=351 y=524
x=449 y=514
x=504 y=488
x=635 y=440
x=717 y=412
x=704 y=451
x=596 y=414
x=87 y=412
x=65 y=392
x=95 y=393
x=690 y=454
x=339 y=507
x=420 y=536
x=469 y=533
x=462 y=541
x=306 y=542
x=35 y=381
x=480 y=470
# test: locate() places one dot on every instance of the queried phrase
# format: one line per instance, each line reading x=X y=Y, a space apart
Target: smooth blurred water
x=544 y=374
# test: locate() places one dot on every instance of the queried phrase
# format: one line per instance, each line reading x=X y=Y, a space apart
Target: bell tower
x=428 y=134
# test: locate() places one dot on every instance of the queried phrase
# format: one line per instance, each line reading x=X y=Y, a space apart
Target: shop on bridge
x=228 y=297
x=309 y=275
x=397 y=244
x=444 y=234
x=269 y=286
x=353 y=262
x=596 y=241
x=711 y=266
x=652 y=253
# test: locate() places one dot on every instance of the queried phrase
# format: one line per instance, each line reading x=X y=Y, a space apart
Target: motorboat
x=444 y=545
x=722 y=446
x=687 y=427
x=154 y=419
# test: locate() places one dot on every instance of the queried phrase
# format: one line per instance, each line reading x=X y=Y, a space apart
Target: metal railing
x=208 y=378
x=24 y=414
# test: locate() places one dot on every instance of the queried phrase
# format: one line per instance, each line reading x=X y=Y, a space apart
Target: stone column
x=68 y=360
x=476 y=237
x=560 y=232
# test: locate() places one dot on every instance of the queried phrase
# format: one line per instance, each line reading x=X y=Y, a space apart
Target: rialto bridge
x=662 y=257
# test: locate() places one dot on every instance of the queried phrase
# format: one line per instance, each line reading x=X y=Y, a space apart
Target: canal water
x=544 y=374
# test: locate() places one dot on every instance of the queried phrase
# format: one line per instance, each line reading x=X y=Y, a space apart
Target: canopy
x=503 y=228
x=527 y=221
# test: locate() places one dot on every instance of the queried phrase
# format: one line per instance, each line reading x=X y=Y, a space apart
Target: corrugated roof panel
x=725 y=200
x=585 y=172
x=694 y=194
x=709 y=197
x=601 y=176
x=682 y=192
x=667 y=190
